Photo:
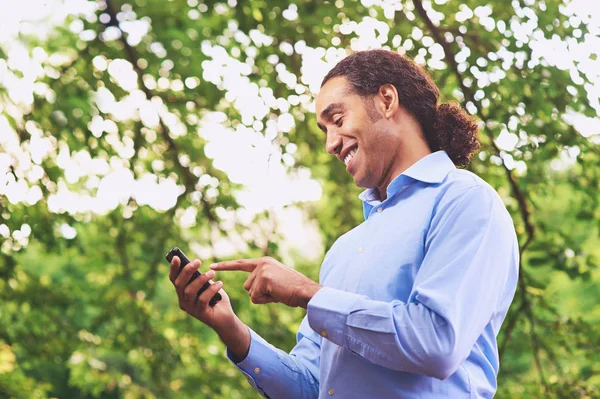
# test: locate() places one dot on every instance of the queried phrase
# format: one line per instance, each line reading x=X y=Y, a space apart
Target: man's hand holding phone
x=207 y=307
x=199 y=305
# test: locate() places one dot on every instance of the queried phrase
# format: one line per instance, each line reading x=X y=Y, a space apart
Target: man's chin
x=361 y=182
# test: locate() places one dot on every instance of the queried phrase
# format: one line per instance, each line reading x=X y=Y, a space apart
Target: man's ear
x=389 y=99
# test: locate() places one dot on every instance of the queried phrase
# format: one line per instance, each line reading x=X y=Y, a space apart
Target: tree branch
x=517 y=193
x=511 y=323
x=158 y=255
x=469 y=96
x=188 y=177
x=536 y=348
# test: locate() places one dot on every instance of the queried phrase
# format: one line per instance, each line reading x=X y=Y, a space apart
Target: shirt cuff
x=261 y=364
x=328 y=311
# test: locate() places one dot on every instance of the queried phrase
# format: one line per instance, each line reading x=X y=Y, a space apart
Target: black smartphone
x=184 y=261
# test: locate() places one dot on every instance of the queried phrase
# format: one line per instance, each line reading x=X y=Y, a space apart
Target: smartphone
x=184 y=261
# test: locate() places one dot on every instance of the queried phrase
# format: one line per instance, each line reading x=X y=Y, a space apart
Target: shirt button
x=360 y=249
x=324 y=334
x=256 y=370
x=331 y=392
x=379 y=210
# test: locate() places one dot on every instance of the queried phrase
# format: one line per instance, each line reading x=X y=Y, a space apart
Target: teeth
x=349 y=157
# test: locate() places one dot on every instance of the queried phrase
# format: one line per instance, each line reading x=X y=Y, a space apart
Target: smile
x=350 y=156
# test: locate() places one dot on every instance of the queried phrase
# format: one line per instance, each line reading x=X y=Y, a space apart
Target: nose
x=333 y=144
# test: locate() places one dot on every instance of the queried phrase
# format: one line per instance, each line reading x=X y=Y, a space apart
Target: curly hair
x=446 y=126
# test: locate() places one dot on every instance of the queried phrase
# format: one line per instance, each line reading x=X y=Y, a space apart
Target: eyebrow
x=328 y=112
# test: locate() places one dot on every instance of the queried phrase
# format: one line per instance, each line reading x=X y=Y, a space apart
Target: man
x=409 y=302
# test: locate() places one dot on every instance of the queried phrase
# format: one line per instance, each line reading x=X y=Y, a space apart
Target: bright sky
x=250 y=155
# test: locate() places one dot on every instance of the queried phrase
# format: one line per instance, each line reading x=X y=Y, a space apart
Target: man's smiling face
x=357 y=132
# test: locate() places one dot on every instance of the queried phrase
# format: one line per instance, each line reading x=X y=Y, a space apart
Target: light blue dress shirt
x=413 y=297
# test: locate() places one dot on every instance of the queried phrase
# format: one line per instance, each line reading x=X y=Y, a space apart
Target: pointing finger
x=246 y=265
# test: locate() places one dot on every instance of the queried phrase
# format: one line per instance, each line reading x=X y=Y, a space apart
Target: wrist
x=222 y=326
x=236 y=338
x=308 y=292
x=227 y=328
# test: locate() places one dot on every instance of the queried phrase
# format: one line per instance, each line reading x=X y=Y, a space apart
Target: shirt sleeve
x=275 y=374
x=470 y=264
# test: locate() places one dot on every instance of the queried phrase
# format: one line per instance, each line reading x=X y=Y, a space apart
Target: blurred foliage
x=95 y=316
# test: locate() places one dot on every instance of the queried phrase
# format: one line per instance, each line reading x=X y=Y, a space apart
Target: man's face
x=357 y=132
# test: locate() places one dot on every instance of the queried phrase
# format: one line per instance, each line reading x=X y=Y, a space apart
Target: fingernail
x=213 y=265
x=219 y=283
x=210 y=273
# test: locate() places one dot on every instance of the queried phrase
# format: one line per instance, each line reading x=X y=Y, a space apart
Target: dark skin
x=387 y=139
x=221 y=318
x=268 y=281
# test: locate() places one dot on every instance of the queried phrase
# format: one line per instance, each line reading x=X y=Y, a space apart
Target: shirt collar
x=432 y=168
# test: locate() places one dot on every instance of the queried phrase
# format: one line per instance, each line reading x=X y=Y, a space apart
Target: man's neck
x=405 y=161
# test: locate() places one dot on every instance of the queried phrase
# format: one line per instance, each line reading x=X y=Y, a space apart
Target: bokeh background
x=129 y=127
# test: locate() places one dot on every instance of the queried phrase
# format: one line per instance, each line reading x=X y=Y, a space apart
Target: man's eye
x=338 y=122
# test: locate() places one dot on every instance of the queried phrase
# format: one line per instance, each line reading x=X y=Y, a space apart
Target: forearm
x=236 y=338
